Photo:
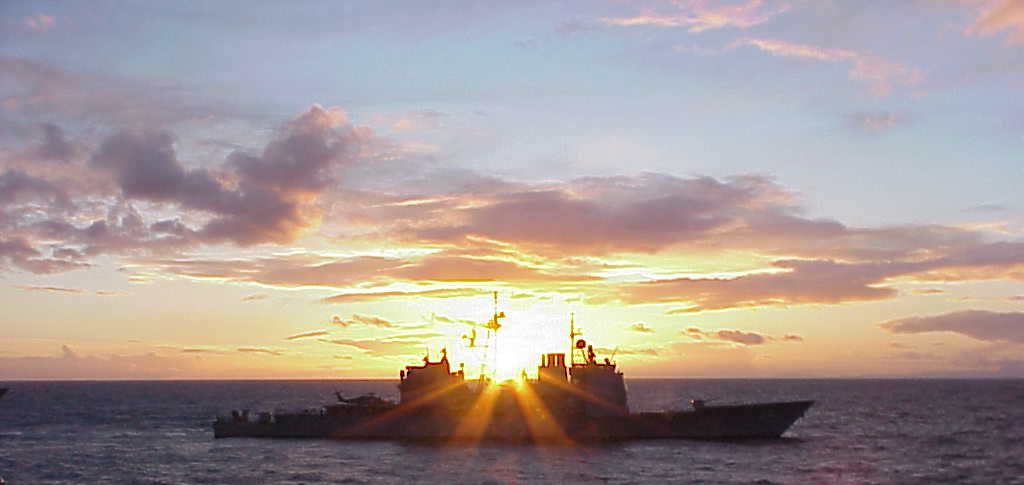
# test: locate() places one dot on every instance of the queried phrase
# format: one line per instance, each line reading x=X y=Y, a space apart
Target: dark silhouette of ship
x=581 y=400
x=3 y=390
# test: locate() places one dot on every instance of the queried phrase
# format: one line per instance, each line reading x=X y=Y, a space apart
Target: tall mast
x=572 y=338
x=494 y=323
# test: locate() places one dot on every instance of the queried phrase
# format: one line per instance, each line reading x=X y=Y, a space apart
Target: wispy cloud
x=446 y=319
x=368 y=320
x=734 y=336
x=39 y=23
x=48 y=289
x=999 y=16
x=387 y=295
x=701 y=15
x=299 y=336
x=69 y=364
x=258 y=350
x=314 y=270
x=977 y=324
x=641 y=327
x=401 y=344
x=880 y=75
x=987 y=208
x=200 y=350
x=876 y=122
x=32 y=88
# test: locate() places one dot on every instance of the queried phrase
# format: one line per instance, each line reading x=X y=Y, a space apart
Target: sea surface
x=860 y=431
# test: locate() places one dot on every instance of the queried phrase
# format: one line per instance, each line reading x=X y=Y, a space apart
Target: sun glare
x=515 y=348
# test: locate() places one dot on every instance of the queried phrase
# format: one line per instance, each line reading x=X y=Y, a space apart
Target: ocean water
x=860 y=431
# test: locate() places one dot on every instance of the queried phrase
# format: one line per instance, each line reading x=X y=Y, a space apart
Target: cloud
x=19 y=253
x=317 y=333
x=402 y=344
x=198 y=350
x=55 y=146
x=997 y=16
x=39 y=23
x=699 y=359
x=701 y=15
x=357 y=319
x=734 y=336
x=648 y=213
x=270 y=199
x=442 y=267
x=876 y=122
x=633 y=351
x=313 y=270
x=826 y=281
x=641 y=327
x=19 y=187
x=496 y=236
x=589 y=215
x=258 y=350
x=70 y=365
x=445 y=319
x=737 y=336
x=987 y=208
x=879 y=74
x=740 y=337
x=48 y=289
x=354 y=297
x=411 y=121
x=38 y=92
x=801 y=282
x=254 y=297
x=977 y=324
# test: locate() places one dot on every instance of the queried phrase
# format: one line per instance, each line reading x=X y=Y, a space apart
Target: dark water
x=860 y=431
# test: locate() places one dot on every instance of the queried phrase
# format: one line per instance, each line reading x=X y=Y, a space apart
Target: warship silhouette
x=583 y=399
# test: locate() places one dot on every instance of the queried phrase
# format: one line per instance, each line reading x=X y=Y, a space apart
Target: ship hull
x=748 y=421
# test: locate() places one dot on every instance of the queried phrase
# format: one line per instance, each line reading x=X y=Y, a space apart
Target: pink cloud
x=998 y=16
x=311 y=270
x=648 y=213
x=701 y=15
x=977 y=324
x=361 y=296
x=825 y=281
x=34 y=88
x=267 y=197
x=875 y=122
x=39 y=23
x=878 y=74
x=804 y=51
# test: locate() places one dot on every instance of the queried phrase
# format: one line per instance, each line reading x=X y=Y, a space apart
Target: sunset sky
x=746 y=188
